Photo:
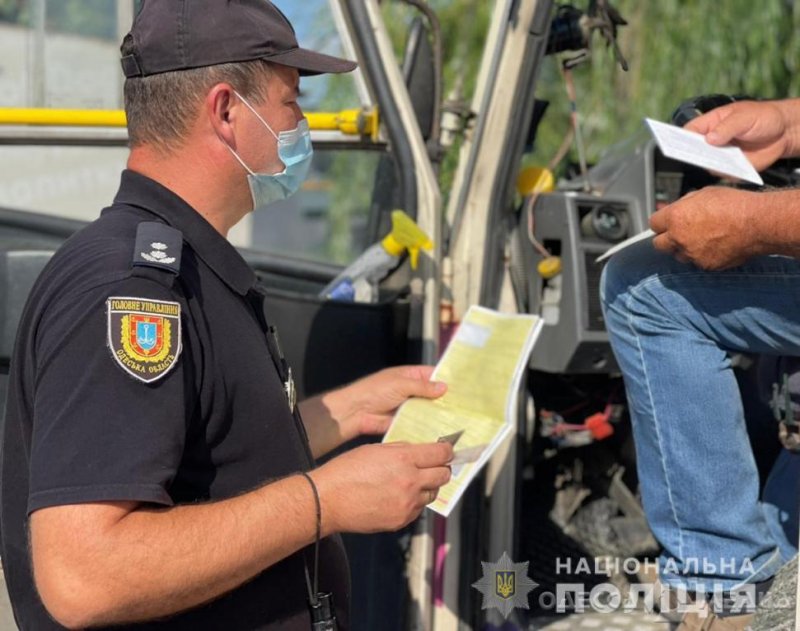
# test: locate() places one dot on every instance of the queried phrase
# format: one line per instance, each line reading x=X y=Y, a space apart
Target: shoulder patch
x=158 y=245
x=144 y=336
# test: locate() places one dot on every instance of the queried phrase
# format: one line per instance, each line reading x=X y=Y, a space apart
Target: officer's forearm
x=102 y=564
x=326 y=422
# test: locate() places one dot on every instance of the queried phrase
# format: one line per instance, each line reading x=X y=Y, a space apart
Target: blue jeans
x=672 y=327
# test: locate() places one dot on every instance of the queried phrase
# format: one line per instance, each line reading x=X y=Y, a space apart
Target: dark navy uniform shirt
x=142 y=372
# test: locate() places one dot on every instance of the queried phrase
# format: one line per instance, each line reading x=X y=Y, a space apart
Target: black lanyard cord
x=313 y=590
x=320 y=605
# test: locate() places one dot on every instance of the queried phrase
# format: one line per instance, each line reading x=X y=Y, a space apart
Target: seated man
x=719 y=277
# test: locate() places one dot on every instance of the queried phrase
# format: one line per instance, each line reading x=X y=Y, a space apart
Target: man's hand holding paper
x=717 y=227
x=759 y=128
x=711 y=228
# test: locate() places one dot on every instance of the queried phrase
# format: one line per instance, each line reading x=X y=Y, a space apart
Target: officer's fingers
x=395 y=444
x=435 y=477
x=423 y=388
x=431 y=454
x=427 y=496
x=413 y=381
x=420 y=372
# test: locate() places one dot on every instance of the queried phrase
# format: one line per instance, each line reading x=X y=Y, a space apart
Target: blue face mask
x=294 y=150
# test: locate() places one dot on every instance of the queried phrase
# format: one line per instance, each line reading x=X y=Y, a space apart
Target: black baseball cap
x=183 y=34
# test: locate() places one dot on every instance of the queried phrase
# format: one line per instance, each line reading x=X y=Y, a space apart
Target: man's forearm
x=776 y=223
x=153 y=563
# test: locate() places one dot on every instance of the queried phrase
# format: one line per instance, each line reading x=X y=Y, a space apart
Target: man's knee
x=632 y=266
x=622 y=272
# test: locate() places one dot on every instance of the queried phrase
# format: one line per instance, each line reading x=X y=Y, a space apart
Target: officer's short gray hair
x=161 y=107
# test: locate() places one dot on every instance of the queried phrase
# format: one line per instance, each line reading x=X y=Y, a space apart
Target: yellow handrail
x=349 y=122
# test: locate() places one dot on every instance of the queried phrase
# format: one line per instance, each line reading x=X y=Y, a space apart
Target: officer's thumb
x=428 y=389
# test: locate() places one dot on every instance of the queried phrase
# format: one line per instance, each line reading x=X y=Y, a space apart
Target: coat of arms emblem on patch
x=144 y=336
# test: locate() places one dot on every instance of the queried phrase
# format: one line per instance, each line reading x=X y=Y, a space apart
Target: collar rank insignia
x=144 y=336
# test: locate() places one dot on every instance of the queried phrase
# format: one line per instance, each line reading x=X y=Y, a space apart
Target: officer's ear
x=222 y=108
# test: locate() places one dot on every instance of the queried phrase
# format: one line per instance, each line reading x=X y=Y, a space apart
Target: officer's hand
x=372 y=401
x=761 y=129
x=713 y=228
x=381 y=487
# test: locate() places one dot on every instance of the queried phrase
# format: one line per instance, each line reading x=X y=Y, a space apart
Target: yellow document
x=482 y=368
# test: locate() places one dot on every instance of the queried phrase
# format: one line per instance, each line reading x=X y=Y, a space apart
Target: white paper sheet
x=692 y=148
x=624 y=244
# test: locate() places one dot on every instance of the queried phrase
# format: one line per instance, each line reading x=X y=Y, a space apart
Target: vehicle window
x=329 y=219
x=71 y=182
x=315 y=25
x=61 y=53
x=65 y=54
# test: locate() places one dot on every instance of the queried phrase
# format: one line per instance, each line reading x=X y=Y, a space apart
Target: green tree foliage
x=13 y=11
x=465 y=24
x=677 y=49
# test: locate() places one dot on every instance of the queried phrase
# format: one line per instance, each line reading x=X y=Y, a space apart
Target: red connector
x=599 y=425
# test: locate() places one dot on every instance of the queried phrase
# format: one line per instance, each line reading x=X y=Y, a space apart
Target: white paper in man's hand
x=624 y=244
x=692 y=148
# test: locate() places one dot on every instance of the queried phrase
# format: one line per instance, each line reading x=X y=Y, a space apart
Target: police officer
x=155 y=473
